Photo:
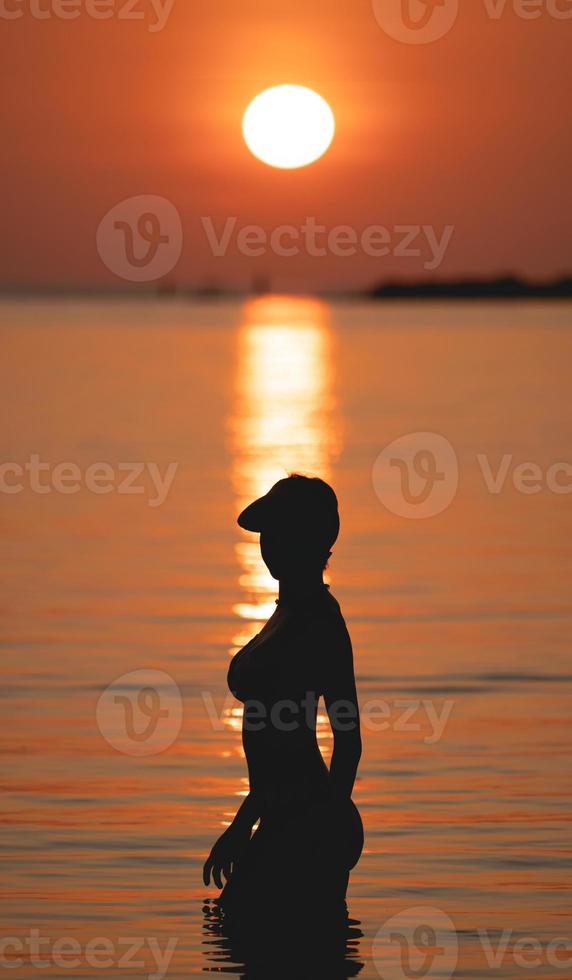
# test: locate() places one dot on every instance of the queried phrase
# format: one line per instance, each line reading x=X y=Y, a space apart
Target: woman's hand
x=225 y=853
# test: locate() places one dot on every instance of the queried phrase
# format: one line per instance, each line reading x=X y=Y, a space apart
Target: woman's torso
x=279 y=676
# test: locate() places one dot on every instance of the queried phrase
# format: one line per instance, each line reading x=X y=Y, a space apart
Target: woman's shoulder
x=328 y=648
x=328 y=623
x=332 y=607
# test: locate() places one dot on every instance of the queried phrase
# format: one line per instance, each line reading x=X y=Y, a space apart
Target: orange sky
x=471 y=131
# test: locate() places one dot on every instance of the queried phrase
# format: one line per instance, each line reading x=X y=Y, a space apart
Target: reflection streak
x=285 y=420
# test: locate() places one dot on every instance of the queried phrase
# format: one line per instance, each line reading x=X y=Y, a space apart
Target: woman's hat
x=297 y=503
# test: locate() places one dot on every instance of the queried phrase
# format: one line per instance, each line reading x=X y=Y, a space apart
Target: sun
x=288 y=126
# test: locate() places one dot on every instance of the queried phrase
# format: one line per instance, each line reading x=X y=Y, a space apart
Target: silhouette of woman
x=310 y=834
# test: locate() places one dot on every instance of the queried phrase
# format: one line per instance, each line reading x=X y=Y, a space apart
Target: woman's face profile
x=286 y=552
x=278 y=553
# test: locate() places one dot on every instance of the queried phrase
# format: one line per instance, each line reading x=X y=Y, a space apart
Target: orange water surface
x=464 y=616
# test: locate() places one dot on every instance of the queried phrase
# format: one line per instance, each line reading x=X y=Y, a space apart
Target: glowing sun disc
x=288 y=126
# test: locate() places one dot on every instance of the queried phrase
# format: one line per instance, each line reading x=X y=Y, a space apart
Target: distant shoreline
x=504 y=288
x=491 y=289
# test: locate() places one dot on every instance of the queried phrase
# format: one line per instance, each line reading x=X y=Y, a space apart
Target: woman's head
x=298 y=522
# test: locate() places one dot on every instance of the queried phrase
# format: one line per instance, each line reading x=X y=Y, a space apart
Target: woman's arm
x=248 y=813
x=232 y=843
x=340 y=696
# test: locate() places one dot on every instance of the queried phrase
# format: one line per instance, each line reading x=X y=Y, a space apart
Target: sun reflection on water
x=285 y=421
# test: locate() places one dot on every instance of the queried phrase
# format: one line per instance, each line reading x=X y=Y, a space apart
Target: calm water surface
x=461 y=623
